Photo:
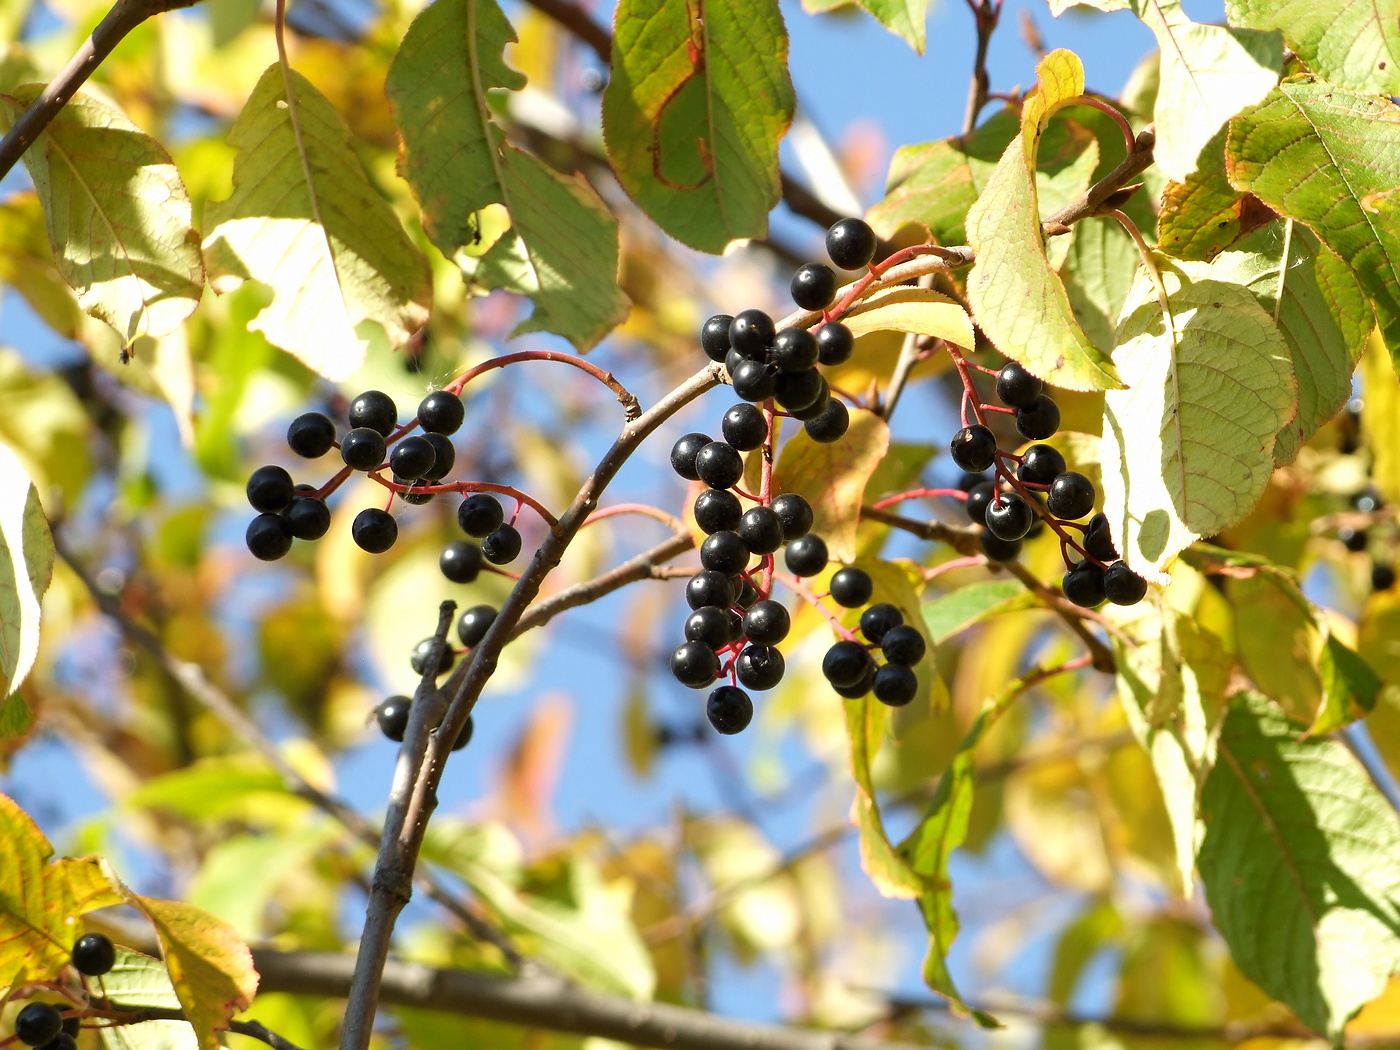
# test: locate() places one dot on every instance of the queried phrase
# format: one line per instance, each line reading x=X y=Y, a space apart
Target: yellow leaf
x=833 y=477
x=921 y=311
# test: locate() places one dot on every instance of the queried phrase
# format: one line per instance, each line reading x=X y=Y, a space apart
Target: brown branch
x=252 y=1029
x=1100 y=197
x=985 y=14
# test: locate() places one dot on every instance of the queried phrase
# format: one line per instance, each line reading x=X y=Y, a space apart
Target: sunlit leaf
x=1097 y=275
x=693 y=113
x=1380 y=416
x=917 y=310
x=305 y=220
x=1352 y=45
x=138 y=980
x=1350 y=687
x=27 y=264
x=952 y=613
x=906 y=18
x=26 y=566
x=1203 y=214
x=832 y=477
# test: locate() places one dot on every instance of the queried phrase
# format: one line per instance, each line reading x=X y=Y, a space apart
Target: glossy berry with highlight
x=362 y=448
x=374 y=530
x=94 y=954
x=501 y=547
x=708 y=624
x=903 y=645
x=1040 y=465
x=376 y=410
x=755 y=380
x=1122 y=586
x=694 y=664
x=751 y=333
x=480 y=514
x=744 y=427
x=1071 y=496
x=729 y=710
x=724 y=552
x=978 y=497
x=718 y=510
x=831 y=425
x=719 y=465
x=895 y=685
x=794 y=515
x=473 y=624
x=270 y=488
x=714 y=336
x=795 y=391
x=845 y=663
x=806 y=555
x=1038 y=420
x=268 y=537
x=1009 y=517
x=441 y=412
x=709 y=587
x=973 y=448
x=311 y=435
x=794 y=350
x=413 y=457
x=761 y=530
x=878 y=620
x=422 y=653
x=850 y=243
x=813 y=286
x=1084 y=584
x=392 y=716
x=38 y=1023
x=760 y=666
x=307 y=518
x=1016 y=387
x=835 y=343
x=851 y=587
x=767 y=622
x=460 y=561
x=683 y=454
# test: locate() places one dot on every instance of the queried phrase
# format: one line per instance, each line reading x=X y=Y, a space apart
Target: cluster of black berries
x=850 y=666
x=41 y=1024
x=1368 y=501
x=1007 y=515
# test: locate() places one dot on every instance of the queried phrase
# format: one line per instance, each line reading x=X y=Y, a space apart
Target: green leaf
x=561 y=250
x=1296 y=865
x=240 y=875
x=26 y=566
x=305 y=220
x=955 y=612
x=1329 y=159
x=1208 y=74
x=921 y=311
x=1349 y=687
x=139 y=981
x=1352 y=45
x=1203 y=215
x=832 y=477
x=27 y=264
x=1097 y=275
x=906 y=18
x=693 y=114
x=1016 y=297
x=119 y=219
x=1188 y=448
x=40 y=902
x=867 y=721
x=215 y=788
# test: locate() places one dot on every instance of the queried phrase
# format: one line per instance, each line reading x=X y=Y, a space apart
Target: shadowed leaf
x=832 y=477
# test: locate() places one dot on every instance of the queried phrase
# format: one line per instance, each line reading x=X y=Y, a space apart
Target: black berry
x=978 y=497
x=422 y=653
x=311 y=435
x=1041 y=464
x=374 y=530
x=755 y=380
x=974 y=448
x=414 y=495
x=37 y=1023
x=714 y=336
x=878 y=620
x=997 y=549
x=413 y=457
x=480 y=514
x=729 y=710
x=1016 y=387
x=1083 y=585
x=852 y=587
x=62 y=1041
x=694 y=664
x=813 y=286
x=767 y=622
x=1038 y=420
x=751 y=333
x=806 y=555
x=746 y=593
x=861 y=687
x=362 y=448
x=444 y=456
x=268 y=537
x=732 y=361
x=717 y=510
x=465 y=736
x=850 y=243
x=760 y=666
x=392 y=716
x=709 y=624
x=501 y=547
x=817 y=407
x=94 y=955
x=709 y=587
x=683 y=454
x=719 y=465
x=761 y=530
x=1122 y=586
x=1071 y=496
x=830 y=425
x=460 y=561
x=903 y=645
x=1352 y=539
x=376 y=410
x=835 y=343
x=798 y=390
x=794 y=350
x=1009 y=517
x=441 y=412
x=895 y=684
x=473 y=624
x=845 y=664
x=724 y=552
x=270 y=488
x=307 y=518
x=1382 y=577
x=794 y=514
x=1097 y=540
x=744 y=427
x=1368 y=501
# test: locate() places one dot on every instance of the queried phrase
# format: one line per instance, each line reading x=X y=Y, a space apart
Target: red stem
x=800 y=589
x=890 y=501
x=473 y=486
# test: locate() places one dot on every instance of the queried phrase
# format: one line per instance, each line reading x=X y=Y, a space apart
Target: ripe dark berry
x=1083 y=584
x=751 y=333
x=1071 y=496
x=997 y=549
x=392 y=716
x=362 y=448
x=744 y=427
x=760 y=666
x=268 y=537
x=794 y=350
x=967 y=481
x=830 y=425
x=798 y=390
x=414 y=495
x=1352 y=539
x=895 y=684
x=1097 y=540
x=422 y=653
x=761 y=530
x=794 y=514
x=850 y=243
x=714 y=337
x=845 y=663
x=270 y=489
x=480 y=514
x=719 y=465
x=72 y=1026
x=1041 y=464
x=441 y=412
x=694 y=664
x=746 y=593
x=94 y=955
x=460 y=561
x=724 y=552
x=501 y=547
x=1038 y=420
x=683 y=454
x=1016 y=387
x=974 y=448
x=729 y=710
x=835 y=343
x=1009 y=517
x=718 y=510
x=862 y=687
x=1122 y=586
x=903 y=645
x=62 y=1041
x=376 y=410
x=817 y=407
x=473 y=624
x=465 y=736
x=307 y=518
x=978 y=497
x=37 y=1023
x=311 y=435
x=813 y=286
x=878 y=620
x=1368 y=501
x=732 y=361
x=709 y=587
x=708 y=624
x=767 y=622
x=374 y=530
x=413 y=457
x=852 y=587
x=444 y=457
x=755 y=380
x=1382 y=577
x=806 y=555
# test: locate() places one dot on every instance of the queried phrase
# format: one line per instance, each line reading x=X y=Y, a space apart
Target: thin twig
x=1138 y=160
x=985 y=14
x=252 y=1029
